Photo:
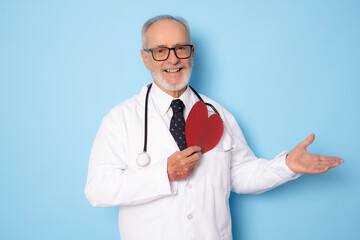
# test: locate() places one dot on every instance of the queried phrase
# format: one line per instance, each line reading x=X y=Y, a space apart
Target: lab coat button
x=190 y=216
x=189 y=186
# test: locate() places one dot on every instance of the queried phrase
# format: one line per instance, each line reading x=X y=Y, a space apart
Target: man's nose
x=172 y=57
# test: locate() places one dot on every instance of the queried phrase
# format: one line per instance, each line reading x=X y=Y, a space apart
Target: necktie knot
x=177 y=106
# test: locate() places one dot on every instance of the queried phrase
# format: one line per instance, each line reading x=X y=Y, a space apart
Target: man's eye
x=160 y=50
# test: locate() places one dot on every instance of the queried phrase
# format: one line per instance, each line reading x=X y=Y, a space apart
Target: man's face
x=173 y=74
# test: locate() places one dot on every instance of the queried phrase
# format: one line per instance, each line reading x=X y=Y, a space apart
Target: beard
x=170 y=87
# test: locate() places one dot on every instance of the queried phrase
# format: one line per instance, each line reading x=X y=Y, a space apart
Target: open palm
x=300 y=161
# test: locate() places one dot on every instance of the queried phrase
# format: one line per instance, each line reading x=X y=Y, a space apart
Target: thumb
x=308 y=140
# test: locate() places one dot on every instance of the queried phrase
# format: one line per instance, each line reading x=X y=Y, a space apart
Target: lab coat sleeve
x=249 y=174
x=112 y=182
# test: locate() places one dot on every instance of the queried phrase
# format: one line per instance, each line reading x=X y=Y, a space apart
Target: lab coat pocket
x=218 y=162
x=218 y=172
x=218 y=176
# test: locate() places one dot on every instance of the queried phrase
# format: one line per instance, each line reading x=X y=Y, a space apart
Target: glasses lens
x=160 y=53
x=183 y=51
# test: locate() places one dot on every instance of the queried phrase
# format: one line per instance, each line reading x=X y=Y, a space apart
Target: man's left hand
x=300 y=161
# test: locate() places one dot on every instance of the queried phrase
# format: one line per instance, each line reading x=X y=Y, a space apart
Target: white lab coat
x=151 y=206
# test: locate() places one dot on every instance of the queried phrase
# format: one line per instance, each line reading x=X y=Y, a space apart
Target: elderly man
x=177 y=192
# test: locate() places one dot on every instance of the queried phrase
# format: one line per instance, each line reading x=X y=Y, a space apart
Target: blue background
x=283 y=68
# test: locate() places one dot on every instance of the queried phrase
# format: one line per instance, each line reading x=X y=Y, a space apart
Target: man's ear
x=145 y=59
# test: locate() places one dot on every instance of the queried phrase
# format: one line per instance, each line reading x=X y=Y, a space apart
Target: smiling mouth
x=173 y=70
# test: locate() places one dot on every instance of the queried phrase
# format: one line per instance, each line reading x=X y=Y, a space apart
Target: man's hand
x=300 y=161
x=181 y=164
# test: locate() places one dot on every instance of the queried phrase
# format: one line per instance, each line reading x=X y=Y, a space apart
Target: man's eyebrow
x=178 y=44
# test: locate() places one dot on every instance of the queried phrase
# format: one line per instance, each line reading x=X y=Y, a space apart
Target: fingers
x=331 y=162
x=192 y=165
x=332 y=159
x=192 y=154
x=308 y=140
x=321 y=164
x=181 y=164
x=194 y=158
x=190 y=150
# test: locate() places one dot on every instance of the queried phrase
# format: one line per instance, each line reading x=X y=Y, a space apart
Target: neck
x=174 y=94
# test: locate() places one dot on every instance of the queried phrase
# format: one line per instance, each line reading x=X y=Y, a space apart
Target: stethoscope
x=143 y=159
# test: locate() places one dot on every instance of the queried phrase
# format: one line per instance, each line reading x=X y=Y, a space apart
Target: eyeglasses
x=163 y=53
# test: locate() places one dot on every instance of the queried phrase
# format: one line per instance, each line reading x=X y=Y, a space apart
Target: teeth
x=172 y=70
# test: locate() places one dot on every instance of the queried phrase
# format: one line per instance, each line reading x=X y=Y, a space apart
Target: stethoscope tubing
x=143 y=159
x=146 y=112
x=146 y=118
x=208 y=104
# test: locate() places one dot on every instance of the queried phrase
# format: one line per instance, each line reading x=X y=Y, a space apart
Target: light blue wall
x=283 y=68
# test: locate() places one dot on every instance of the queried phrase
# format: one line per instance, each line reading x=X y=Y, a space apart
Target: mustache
x=167 y=67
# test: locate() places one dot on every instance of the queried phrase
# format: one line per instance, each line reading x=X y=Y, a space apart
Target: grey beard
x=172 y=88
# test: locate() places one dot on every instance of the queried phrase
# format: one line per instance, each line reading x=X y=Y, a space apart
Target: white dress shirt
x=162 y=102
x=152 y=207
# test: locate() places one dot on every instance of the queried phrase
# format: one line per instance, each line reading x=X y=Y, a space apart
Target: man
x=178 y=194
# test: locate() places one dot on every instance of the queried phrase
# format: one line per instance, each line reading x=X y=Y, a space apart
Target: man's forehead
x=167 y=32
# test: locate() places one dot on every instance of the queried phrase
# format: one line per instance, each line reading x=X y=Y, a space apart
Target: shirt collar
x=162 y=100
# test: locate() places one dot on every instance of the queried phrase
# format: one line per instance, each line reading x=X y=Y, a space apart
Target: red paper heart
x=201 y=130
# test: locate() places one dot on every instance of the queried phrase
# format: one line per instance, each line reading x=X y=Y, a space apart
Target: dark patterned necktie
x=177 y=124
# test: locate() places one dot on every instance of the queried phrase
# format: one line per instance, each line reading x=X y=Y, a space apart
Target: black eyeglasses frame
x=152 y=53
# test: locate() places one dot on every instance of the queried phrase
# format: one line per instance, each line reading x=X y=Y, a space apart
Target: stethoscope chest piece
x=143 y=159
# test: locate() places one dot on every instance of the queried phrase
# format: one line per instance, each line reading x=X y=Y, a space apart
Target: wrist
x=288 y=161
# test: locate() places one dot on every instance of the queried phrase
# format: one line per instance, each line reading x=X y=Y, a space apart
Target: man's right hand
x=181 y=164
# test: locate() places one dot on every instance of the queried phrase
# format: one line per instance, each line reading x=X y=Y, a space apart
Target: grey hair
x=153 y=20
